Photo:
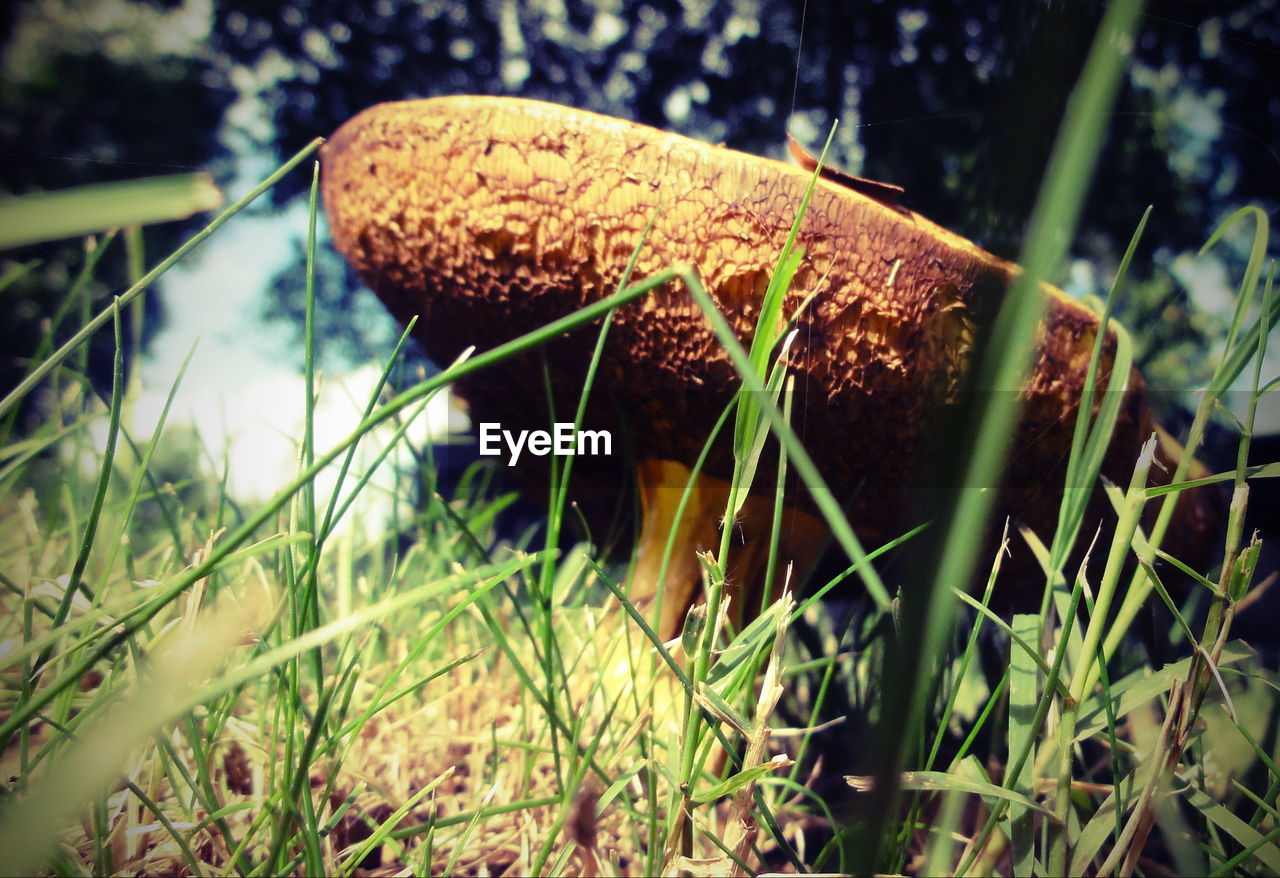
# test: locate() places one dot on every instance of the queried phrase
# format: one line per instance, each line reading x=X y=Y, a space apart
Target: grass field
x=192 y=686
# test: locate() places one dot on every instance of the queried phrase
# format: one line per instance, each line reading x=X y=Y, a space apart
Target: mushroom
x=488 y=217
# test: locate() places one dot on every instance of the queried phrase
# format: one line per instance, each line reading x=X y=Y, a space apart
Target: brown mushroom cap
x=489 y=217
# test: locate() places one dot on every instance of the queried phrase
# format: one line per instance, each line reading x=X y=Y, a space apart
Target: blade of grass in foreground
x=928 y=604
x=1092 y=436
x=71 y=213
x=31 y=676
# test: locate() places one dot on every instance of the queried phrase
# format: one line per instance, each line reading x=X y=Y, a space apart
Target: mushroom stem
x=662 y=484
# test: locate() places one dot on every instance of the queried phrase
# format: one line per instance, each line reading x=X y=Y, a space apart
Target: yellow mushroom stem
x=662 y=485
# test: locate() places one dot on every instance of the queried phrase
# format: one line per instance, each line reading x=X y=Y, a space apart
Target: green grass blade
x=831 y=512
x=1024 y=693
x=1266 y=850
x=71 y=213
x=1004 y=362
x=930 y=781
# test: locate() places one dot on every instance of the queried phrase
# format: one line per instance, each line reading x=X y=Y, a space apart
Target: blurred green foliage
x=80 y=115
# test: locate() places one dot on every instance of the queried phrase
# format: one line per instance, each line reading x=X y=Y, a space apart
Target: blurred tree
x=352 y=325
x=957 y=101
x=88 y=103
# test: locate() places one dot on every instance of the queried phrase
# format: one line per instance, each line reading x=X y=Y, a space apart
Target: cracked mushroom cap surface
x=488 y=217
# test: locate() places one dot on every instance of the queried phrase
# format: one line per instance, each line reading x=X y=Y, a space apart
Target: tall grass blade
x=71 y=213
x=1024 y=693
x=927 y=605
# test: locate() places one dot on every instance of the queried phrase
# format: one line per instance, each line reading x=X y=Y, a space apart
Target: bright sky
x=246 y=400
